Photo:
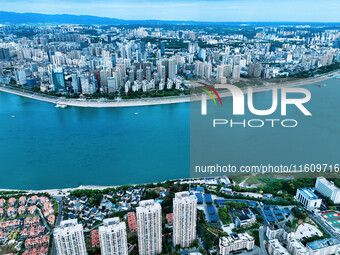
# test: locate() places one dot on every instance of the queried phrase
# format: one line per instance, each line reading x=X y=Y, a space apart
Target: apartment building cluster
x=70 y=59
x=54 y=61
x=69 y=236
x=268 y=55
x=278 y=236
x=283 y=241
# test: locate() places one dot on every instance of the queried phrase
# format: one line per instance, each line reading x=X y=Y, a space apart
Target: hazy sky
x=208 y=10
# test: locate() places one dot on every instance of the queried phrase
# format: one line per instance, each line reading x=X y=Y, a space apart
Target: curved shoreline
x=158 y=100
x=56 y=191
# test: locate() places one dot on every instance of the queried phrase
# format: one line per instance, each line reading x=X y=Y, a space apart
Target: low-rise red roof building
x=132 y=221
x=22 y=200
x=94 y=239
x=2 y=202
x=22 y=210
x=51 y=219
x=12 y=201
x=170 y=218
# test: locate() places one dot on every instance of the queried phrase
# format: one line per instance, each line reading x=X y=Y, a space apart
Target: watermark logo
x=239 y=104
x=204 y=98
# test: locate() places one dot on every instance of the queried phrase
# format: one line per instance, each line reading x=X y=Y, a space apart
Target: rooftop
x=228 y=240
x=319 y=244
x=67 y=226
x=111 y=221
x=309 y=193
x=148 y=205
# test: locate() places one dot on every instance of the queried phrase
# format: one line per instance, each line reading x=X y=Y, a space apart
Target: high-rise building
x=93 y=83
x=4 y=53
x=34 y=67
x=142 y=46
x=162 y=48
x=132 y=75
x=76 y=83
x=251 y=69
x=220 y=74
x=172 y=69
x=58 y=79
x=199 y=68
x=165 y=63
x=139 y=75
x=227 y=70
x=87 y=86
x=257 y=70
x=184 y=218
x=103 y=81
x=202 y=54
x=162 y=73
x=193 y=47
x=207 y=69
x=149 y=227
x=111 y=84
x=328 y=189
x=112 y=236
x=236 y=67
x=145 y=67
x=20 y=76
x=69 y=238
x=113 y=59
x=148 y=73
x=31 y=82
x=289 y=58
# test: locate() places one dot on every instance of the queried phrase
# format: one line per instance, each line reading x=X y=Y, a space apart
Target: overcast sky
x=208 y=10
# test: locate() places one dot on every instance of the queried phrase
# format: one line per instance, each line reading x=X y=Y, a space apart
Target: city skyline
x=189 y=10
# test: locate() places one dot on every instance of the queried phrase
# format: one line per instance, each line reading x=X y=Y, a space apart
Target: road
x=60 y=210
x=325 y=227
x=58 y=220
x=44 y=220
x=262 y=233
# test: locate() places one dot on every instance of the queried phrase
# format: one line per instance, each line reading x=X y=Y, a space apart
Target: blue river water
x=42 y=146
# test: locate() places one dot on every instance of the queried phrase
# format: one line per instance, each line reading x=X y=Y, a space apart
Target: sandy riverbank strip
x=64 y=191
x=54 y=192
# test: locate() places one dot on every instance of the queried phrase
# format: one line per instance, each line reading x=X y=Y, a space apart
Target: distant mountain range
x=38 y=18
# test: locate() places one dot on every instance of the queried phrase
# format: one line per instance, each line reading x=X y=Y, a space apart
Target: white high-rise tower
x=69 y=238
x=112 y=236
x=149 y=227
x=185 y=212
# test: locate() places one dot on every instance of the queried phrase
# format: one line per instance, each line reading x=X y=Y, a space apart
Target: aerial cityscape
x=117 y=63
x=106 y=110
